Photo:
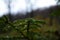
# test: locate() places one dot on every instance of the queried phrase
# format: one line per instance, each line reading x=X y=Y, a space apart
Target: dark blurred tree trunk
x=58 y=8
x=31 y=14
x=10 y=16
x=51 y=20
x=51 y=17
x=58 y=20
x=57 y=13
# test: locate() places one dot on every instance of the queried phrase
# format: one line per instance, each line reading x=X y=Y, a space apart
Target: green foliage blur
x=21 y=26
x=29 y=28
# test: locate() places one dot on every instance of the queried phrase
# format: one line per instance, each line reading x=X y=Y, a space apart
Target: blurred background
x=27 y=15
